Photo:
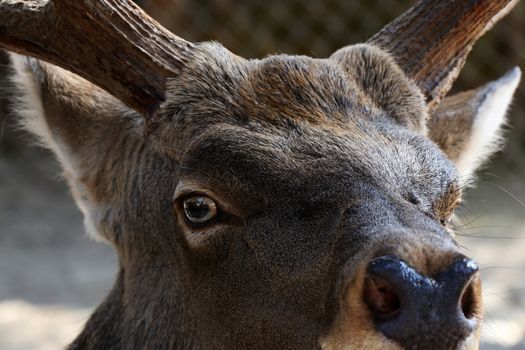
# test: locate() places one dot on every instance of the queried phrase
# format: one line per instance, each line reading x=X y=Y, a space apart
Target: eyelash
x=447 y=222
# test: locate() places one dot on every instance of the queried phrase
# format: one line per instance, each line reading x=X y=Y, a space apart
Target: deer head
x=281 y=203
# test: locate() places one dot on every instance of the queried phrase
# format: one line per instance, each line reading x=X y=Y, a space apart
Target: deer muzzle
x=419 y=311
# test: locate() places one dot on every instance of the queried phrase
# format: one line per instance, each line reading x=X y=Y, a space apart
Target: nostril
x=466 y=303
x=463 y=276
x=381 y=298
x=407 y=306
x=469 y=301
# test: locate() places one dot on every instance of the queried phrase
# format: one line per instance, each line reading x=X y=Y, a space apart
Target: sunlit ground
x=51 y=275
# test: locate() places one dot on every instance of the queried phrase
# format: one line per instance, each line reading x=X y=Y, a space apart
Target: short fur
x=317 y=166
x=467 y=126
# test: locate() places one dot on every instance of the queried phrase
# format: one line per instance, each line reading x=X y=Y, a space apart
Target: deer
x=286 y=202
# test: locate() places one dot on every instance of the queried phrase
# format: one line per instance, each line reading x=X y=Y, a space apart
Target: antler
x=431 y=40
x=112 y=43
x=115 y=45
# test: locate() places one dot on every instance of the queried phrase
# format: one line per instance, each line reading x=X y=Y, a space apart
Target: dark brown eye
x=447 y=222
x=199 y=209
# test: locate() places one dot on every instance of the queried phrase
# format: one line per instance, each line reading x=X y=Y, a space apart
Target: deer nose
x=413 y=309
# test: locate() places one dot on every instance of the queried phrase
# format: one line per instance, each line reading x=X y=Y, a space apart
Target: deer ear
x=63 y=109
x=86 y=128
x=468 y=126
x=382 y=81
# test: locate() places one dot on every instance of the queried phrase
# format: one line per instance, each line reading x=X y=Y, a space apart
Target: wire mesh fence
x=316 y=28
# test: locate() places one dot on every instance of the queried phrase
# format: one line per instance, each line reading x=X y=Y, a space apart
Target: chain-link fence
x=317 y=28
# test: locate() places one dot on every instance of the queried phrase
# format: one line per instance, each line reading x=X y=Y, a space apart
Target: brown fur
x=457 y=115
x=317 y=166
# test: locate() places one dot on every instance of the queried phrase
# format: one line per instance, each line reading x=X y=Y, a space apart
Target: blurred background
x=52 y=275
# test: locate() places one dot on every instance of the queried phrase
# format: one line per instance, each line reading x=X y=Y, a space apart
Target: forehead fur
x=283 y=91
x=286 y=117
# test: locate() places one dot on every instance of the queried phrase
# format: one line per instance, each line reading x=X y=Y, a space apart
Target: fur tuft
x=28 y=102
x=486 y=135
x=29 y=108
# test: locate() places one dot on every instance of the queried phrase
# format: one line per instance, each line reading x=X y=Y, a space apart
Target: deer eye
x=199 y=209
x=447 y=221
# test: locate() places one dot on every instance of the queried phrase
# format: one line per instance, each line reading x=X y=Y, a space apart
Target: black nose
x=418 y=311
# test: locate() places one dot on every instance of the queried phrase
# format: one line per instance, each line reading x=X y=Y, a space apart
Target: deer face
x=300 y=210
x=283 y=203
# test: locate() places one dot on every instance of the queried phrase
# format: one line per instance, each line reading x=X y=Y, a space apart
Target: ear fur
x=28 y=103
x=58 y=106
x=383 y=81
x=468 y=126
x=86 y=128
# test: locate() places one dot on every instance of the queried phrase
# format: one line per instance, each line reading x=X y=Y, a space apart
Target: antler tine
x=431 y=40
x=111 y=43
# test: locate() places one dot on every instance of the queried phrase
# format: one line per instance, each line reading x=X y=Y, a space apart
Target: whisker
x=499 y=293
x=466 y=248
x=3 y=127
x=468 y=223
x=502 y=268
x=490 y=237
x=508 y=193
x=492 y=175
